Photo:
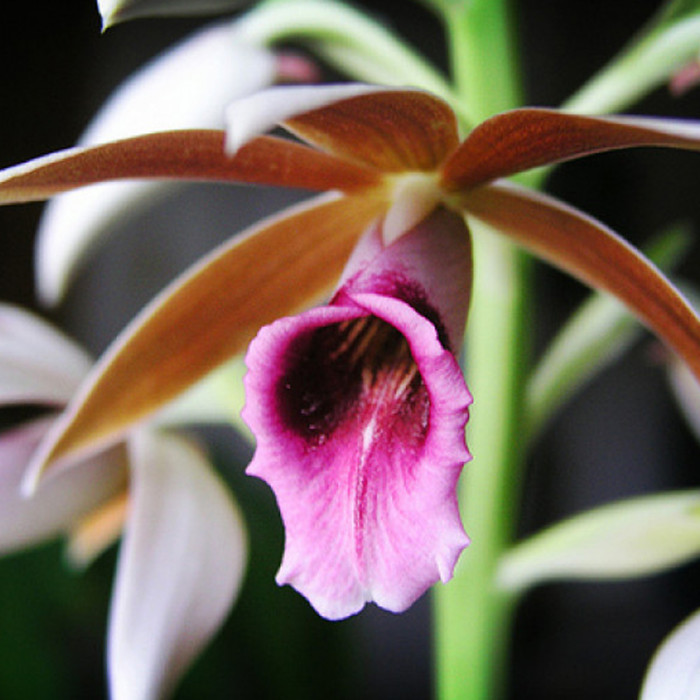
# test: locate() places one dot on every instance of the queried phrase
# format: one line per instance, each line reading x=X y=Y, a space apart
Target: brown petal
x=189 y=155
x=393 y=130
x=527 y=138
x=593 y=253
x=209 y=315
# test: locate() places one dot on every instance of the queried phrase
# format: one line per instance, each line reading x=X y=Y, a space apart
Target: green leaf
x=629 y=538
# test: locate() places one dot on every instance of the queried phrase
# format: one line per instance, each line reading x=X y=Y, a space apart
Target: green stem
x=483 y=57
x=472 y=618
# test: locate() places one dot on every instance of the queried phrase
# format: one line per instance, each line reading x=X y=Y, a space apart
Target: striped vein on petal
x=527 y=138
x=196 y=154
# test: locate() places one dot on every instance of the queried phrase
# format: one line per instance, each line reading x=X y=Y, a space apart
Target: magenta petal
x=431 y=264
x=359 y=410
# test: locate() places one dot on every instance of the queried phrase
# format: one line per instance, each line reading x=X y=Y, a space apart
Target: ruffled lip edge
x=450 y=401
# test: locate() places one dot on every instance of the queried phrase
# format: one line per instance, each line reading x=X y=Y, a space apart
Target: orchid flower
x=394 y=160
x=359 y=410
x=156 y=487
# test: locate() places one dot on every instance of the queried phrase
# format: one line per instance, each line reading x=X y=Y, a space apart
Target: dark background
x=622 y=436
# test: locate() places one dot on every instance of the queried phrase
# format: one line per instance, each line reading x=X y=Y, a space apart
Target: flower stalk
x=482 y=56
x=470 y=654
x=472 y=618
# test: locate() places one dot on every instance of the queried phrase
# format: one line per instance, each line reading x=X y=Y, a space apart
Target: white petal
x=180 y=567
x=633 y=537
x=113 y=11
x=254 y=115
x=37 y=362
x=188 y=86
x=674 y=673
x=61 y=501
